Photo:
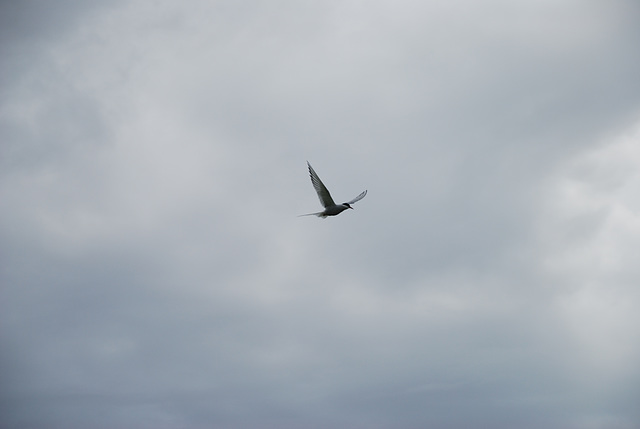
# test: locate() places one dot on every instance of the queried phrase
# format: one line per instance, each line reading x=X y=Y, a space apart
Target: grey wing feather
x=323 y=192
x=358 y=198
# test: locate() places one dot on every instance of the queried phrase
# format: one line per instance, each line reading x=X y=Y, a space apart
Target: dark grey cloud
x=154 y=273
x=37 y=19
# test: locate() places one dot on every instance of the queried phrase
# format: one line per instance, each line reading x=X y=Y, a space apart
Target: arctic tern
x=330 y=207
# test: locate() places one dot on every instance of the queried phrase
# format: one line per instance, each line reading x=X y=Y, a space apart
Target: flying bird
x=330 y=207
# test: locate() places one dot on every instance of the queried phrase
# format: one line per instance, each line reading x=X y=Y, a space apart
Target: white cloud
x=592 y=239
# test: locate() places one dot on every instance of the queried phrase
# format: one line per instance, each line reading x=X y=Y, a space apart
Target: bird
x=330 y=207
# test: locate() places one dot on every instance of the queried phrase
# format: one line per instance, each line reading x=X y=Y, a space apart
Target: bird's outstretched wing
x=323 y=192
x=358 y=198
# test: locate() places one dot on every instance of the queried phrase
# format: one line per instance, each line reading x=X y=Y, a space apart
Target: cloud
x=153 y=163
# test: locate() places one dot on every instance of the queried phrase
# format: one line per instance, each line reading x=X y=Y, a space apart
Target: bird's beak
x=351 y=207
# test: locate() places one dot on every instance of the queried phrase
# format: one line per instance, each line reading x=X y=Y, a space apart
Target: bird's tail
x=319 y=214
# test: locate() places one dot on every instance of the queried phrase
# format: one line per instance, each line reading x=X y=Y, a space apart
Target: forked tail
x=319 y=214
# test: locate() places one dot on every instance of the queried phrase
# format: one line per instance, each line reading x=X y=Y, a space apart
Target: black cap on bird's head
x=347 y=205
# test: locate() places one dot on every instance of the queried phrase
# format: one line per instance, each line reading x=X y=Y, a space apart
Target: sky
x=154 y=272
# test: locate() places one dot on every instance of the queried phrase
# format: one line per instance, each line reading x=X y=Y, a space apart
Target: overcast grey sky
x=153 y=161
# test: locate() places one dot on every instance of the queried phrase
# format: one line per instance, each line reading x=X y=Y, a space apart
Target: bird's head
x=347 y=205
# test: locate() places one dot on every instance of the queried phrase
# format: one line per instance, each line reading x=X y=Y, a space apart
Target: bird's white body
x=329 y=211
x=334 y=210
x=330 y=207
